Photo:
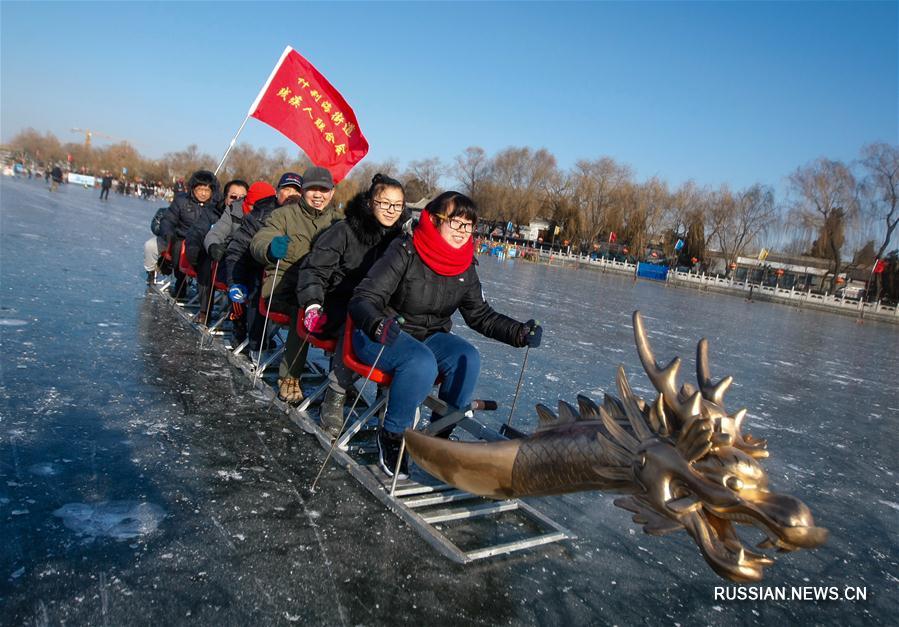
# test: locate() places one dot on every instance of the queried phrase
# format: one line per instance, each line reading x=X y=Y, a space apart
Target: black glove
x=387 y=331
x=530 y=334
x=217 y=251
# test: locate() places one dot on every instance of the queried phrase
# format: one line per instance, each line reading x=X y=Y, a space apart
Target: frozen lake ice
x=112 y=416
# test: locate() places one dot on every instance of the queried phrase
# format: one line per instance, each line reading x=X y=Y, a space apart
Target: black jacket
x=341 y=257
x=209 y=215
x=156 y=222
x=401 y=283
x=185 y=209
x=240 y=267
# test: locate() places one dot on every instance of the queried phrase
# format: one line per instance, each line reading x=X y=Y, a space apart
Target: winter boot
x=151 y=278
x=289 y=390
x=331 y=412
x=389 y=451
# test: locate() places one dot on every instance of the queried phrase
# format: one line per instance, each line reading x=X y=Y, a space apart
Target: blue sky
x=720 y=92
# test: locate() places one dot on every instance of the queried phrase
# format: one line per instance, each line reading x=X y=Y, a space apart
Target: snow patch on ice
x=228 y=475
x=120 y=520
x=43 y=470
x=550 y=377
x=889 y=504
x=12 y=322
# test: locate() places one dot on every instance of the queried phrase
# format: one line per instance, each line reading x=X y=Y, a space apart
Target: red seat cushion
x=327 y=344
x=184 y=264
x=274 y=316
x=353 y=363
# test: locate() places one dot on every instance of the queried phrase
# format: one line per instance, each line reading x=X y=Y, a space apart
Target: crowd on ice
x=397 y=281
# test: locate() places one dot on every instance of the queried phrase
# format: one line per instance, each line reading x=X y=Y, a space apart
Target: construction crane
x=89 y=133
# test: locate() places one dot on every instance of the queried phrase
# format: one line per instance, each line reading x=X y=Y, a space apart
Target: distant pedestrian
x=105 y=186
x=55 y=178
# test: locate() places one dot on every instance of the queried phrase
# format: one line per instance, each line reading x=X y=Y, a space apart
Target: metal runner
x=428 y=506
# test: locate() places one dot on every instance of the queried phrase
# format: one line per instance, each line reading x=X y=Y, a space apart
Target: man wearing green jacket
x=287 y=237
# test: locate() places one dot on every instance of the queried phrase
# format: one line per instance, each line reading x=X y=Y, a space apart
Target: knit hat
x=257 y=191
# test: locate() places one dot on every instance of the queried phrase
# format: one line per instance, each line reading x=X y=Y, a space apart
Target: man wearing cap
x=284 y=240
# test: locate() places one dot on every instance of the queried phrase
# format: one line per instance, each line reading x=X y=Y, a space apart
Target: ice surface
x=106 y=398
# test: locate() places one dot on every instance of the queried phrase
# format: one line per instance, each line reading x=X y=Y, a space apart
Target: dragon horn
x=663 y=379
x=710 y=392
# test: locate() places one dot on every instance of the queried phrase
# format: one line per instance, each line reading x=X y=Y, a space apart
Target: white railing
x=780 y=293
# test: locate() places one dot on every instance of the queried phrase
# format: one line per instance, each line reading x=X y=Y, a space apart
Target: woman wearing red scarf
x=424 y=280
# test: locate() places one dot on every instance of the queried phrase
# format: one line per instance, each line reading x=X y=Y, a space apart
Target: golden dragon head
x=683 y=460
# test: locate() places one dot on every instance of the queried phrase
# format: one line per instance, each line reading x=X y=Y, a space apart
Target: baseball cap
x=291 y=178
x=317 y=177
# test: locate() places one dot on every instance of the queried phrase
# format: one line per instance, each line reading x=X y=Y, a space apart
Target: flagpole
x=253 y=106
x=230 y=146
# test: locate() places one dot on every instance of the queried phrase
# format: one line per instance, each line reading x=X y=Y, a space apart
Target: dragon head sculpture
x=683 y=461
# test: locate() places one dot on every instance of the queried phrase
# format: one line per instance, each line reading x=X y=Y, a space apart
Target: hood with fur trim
x=205 y=177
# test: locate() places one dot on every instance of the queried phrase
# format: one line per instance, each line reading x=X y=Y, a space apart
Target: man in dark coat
x=182 y=213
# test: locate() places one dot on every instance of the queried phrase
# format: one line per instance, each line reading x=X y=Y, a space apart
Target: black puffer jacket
x=340 y=259
x=185 y=209
x=209 y=215
x=401 y=283
x=240 y=267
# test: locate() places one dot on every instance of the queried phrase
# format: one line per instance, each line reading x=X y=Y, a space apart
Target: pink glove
x=315 y=319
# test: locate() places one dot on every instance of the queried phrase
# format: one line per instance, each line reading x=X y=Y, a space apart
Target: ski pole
x=268 y=308
x=215 y=269
x=352 y=409
x=524 y=364
x=371 y=370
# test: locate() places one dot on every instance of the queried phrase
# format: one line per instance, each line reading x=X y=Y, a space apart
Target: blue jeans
x=414 y=366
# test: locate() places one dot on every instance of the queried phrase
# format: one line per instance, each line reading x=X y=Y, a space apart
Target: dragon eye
x=642 y=462
x=734 y=483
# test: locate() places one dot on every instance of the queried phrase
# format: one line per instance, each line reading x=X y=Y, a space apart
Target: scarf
x=437 y=253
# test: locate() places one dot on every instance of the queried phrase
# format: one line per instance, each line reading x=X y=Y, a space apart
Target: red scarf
x=437 y=253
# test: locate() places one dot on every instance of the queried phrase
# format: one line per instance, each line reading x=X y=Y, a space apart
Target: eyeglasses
x=235 y=196
x=457 y=225
x=386 y=205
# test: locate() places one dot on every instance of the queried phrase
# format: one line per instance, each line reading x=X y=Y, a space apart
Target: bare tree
x=739 y=219
x=826 y=198
x=595 y=185
x=643 y=205
x=881 y=186
x=473 y=169
x=185 y=162
x=428 y=173
x=516 y=191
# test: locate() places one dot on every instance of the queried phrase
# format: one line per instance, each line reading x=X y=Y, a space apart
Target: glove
x=530 y=334
x=237 y=293
x=278 y=248
x=315 y=319
x=217 y=251
x=387 y=332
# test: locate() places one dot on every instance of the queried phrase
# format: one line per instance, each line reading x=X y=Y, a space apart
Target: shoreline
x=793 y=298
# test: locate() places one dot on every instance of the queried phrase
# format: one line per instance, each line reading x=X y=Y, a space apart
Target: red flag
x=612 y=237
x=300 y=103
x=879 y=266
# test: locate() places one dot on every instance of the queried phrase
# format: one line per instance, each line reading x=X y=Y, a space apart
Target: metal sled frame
x=427 y=506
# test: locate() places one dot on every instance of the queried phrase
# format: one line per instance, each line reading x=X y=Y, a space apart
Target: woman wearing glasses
x=340 y=258
x=424 y=280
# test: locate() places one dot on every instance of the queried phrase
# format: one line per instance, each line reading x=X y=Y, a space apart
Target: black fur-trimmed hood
x=364 y=225
x=205 y=177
